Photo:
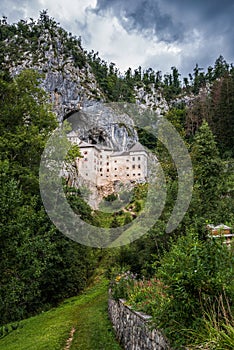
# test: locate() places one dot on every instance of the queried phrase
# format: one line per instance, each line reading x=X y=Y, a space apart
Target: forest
x=40 y=267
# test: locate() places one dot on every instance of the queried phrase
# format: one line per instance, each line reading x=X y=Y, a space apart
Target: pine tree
x=207 y=167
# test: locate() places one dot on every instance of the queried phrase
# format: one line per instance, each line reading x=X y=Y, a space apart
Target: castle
x=101 y=165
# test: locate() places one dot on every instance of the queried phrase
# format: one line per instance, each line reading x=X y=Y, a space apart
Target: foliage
x=216 y=106
x=192 y=279
x=207 y=165
x=197 y=274
x=25 y=123
x=37 y=37
x=111 y=197
x=213 y=334
x=147 y=295
x=122 y=284
x=39 y=266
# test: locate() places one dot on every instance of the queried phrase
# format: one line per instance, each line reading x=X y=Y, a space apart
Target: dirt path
x=93 y=330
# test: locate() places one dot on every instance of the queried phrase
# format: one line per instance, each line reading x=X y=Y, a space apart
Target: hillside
x=45 y=77
x=79 y=323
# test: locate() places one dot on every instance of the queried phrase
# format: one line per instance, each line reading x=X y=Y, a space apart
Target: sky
x=149 y=33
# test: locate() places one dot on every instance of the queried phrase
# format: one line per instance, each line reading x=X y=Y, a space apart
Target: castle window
x=85 y=152
x=139 y=166
x=107 y=163
x=139 y=174
x=115 y=175
x=115 y=161
x=127 y=160
x=133 y=158
x=133 y=166
x=101 y=174
x=115 y=168
x=127 y=174
x=108 y=170
x=139 y=158
x=127 y=167
x=86 y=159
x=100 y=169
x=134 y=174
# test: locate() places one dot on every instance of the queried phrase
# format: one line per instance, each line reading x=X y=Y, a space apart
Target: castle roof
x=85 y=144
x=121 y=153
x=137 y=148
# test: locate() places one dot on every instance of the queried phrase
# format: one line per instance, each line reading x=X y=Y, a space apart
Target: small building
x=221 y=231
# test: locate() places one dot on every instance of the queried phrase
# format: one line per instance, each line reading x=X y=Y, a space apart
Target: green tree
x=25 y=123
x=38 y=266
x=208 y=171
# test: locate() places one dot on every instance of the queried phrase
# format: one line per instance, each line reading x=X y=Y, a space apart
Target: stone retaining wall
x=132 y=330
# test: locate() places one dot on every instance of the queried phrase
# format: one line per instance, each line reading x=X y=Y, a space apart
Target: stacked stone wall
x=133 y=330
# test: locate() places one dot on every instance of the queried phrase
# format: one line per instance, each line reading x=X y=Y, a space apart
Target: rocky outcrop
x=100 y=124
x=68 y=83
x=151 y=98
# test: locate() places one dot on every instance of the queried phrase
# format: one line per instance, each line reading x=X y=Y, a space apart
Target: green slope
x=86 y=315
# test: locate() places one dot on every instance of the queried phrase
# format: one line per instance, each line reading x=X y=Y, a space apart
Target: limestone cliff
x=67 y=77
x=100 y=124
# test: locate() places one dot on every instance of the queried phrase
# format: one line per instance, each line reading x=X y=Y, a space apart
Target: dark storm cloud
x=206 y=23
x=144 y=16
x=172 y=20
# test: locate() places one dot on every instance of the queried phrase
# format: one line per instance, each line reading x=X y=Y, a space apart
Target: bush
x=198 y=275
x=147 y=295
x=195 y=279
x=122 y=285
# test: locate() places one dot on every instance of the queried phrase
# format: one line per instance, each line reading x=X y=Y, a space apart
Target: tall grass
x=217 y=328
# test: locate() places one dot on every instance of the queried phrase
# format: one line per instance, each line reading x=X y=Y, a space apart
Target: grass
x=214 y=335
x=86 y=314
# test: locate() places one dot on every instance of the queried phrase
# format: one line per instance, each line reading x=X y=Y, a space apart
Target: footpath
x=80 y=323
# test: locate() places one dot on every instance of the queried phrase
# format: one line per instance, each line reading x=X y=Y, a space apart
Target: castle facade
x=101 y=165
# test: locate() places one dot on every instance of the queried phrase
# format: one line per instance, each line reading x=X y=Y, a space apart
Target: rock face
x=100 y=124
x=151 y=99
x=67 y=76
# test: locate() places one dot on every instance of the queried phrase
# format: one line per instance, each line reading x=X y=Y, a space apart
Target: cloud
x=151 y=33
x=198 y=31
x=145 y=16
x=15 y=9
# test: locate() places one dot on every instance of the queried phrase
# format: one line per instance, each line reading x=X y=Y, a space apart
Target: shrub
x=147 y=295
x=122 y=285
x=198 y=275
x=195 y=279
